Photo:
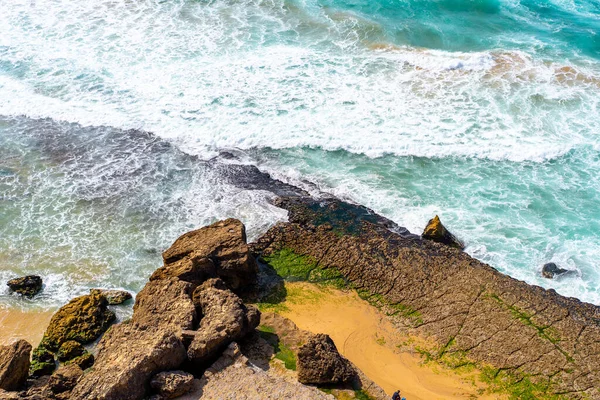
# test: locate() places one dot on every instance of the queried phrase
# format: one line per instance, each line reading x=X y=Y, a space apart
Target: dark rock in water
x=551 y=270
x=128 y=356
x=114 y=297
x=14 y=365
x=163 y=302
x=83 y=319
x=69 y=350
x=29 y=285
x=319 y=362
x=172 y=384
x=437 y=232
x=42 y=362
x=225 y=319
x=218 y=250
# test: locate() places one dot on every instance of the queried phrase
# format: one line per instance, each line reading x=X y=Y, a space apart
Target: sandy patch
x=367 y=338
x=28 y=325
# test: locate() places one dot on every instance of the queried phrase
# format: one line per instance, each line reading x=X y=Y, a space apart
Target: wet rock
x=42 y=362
x=551 y=270
x=114 y=297
x=319 y=362
x=437 y=232
x=218 y=250
x=83 y=319
x=128 y=356
x=14 y=364
x=69 y=350
x=29 y=285
x=165 y=301
x=172 y=384
x=225 y=319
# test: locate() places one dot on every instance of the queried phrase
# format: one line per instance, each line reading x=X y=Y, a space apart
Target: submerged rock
x=14 y=365
x=128 y=356
x=225 y=319
x=114 y=297
x=29 y=285
x=437 y=232
x=219 y=250
x=319 y=362
x=172 y=384
x=551 y=270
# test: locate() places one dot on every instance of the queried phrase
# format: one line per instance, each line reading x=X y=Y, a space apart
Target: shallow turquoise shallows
x=484 y=112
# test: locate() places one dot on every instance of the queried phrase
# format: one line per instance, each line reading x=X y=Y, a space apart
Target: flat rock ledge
x=475 y=313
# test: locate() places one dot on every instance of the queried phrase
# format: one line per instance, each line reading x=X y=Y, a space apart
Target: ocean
x=113 y=111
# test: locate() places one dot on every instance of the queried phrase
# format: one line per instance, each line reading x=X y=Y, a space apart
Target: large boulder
x=83 y=319
x=218 y=250
x=225 y=319
x=172 y=384
x=437 y=232
x=114 y=297
x=29 y=285
x=319 y=362
x=551 y=271
x=128 y=356
x=165 y=301
x=14 y=365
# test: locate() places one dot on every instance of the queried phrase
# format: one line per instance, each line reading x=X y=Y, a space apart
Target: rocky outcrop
x=70 y=350
x=128 y=356
x=42 y=362
x=232 y=376
x=165 y=302
x=551 y=271
x=438 y=292
x=437 y=232
x=83 y=319
x=172 y=384
x=319 y=362
x=114 y=297
x=218 y=250
x=14 y=365
x=225 y=318
x=28 y=286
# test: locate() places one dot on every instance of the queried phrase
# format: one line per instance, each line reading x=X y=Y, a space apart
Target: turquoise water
x=485 y=112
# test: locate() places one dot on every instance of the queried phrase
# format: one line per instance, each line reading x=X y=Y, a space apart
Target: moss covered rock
x=83 y=319
x=42 y=362
x=69 y=350
x=84 y=361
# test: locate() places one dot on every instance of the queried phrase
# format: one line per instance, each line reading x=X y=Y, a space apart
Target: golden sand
x=367 y=338
x=28 y=325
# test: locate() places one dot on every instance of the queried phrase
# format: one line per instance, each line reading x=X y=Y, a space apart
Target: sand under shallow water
x=17 y=324
x=367 y=338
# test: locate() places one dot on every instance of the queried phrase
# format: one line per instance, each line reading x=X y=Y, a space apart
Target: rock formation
x=114 y=297
x=551 y=271
x=437 y=232
x=172 y=384
x=435 y=291
x=14 y=365
x=225 y=319
x=28 y=286
x=218 y=250
x=319 y=362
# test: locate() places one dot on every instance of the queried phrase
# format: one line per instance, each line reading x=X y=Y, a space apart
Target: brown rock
x=128 y=356
x=65 y=378
x=225 y=319
x=83 y=319
x=437 y=232
x=172 y=384
x=114 y=297
x=319 y=362
x=216 y=250
x=14 y=365
x=84 y=361
x=165 y=301
x=28 y=286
